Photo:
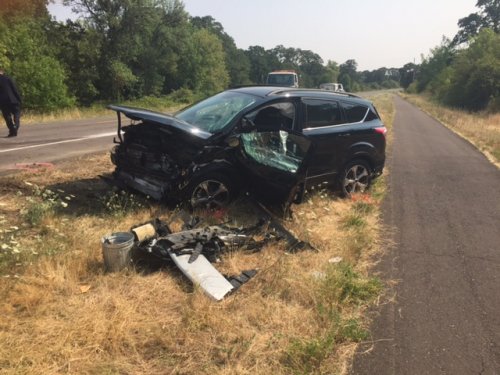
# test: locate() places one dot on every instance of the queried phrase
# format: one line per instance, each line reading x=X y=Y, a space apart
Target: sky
x=381 y=33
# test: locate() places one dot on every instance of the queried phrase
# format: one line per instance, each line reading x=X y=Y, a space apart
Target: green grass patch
x=342 y=284
x=43 y=202
x=354 y=220
x=121 y=203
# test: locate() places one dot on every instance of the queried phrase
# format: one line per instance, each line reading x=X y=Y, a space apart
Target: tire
x=355 y=178
x=210 y=191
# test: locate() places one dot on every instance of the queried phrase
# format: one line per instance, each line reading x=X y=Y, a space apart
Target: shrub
x=41 y=203
x=182 y=95
x=120 y=203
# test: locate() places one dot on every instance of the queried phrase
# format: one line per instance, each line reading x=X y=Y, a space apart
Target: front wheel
x=355 y=178
x=211 y=191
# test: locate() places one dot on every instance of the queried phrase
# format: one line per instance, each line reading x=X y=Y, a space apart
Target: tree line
x=463 y=72
x=127 y=49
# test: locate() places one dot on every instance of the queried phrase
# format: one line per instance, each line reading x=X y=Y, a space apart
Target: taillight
x=381 y=130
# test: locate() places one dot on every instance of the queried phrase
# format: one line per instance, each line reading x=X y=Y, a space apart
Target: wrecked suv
x=271 y=141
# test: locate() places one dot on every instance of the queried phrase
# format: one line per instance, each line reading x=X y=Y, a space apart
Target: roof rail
x=243 y=86
x=284 y=90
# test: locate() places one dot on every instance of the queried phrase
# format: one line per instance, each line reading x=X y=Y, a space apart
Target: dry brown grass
x=62 y=314
x=481 y=129
x=98 y=110
x=64 y=114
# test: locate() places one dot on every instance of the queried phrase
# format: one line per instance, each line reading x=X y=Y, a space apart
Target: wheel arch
x=223 y=167
x=361 y=151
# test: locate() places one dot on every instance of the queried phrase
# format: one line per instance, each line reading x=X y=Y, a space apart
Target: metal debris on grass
x=195 y=247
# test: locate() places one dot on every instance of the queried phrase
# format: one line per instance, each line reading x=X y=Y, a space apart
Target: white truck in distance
x=332 y=87
x=285 y=78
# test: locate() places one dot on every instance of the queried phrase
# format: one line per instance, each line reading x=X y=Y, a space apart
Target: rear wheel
x=356 y=178
x=211 y=191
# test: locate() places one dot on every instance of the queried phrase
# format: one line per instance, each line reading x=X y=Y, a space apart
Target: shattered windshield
x=216 y=112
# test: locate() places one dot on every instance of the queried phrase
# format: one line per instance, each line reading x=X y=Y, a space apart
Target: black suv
x=274 y=142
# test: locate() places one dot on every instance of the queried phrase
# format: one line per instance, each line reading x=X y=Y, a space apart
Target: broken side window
x=267 y=148
x=274 y=117
x=270 y=143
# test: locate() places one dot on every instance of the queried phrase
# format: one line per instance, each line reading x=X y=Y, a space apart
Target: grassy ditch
x=302 y=313
x=481 y=129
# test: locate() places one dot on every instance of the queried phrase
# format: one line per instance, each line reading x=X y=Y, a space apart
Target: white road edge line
x=59 y=142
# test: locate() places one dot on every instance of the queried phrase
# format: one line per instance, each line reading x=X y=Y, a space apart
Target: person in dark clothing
x=10 y=103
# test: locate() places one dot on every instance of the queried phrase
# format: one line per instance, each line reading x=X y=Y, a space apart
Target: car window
x=320 y=113
x=214 y=113
x=371 y=115
x=354 y=112
x=270 y=144
x=274 y=116
x=277 y=149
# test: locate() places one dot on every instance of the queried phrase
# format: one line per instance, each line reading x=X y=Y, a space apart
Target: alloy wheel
x=211 y=194
x=357 y=179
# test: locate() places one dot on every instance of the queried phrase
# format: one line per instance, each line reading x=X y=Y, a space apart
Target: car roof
x=274 y=91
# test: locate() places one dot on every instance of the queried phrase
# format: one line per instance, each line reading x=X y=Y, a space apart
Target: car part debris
x=238 y=280
x=293 y=244
x=195 y=247
x=202 y=273
x=144 y=232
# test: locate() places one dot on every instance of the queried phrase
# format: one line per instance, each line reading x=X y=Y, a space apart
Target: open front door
x=274 y=155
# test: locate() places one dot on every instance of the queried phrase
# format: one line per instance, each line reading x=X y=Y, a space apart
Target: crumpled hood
x=139 y=114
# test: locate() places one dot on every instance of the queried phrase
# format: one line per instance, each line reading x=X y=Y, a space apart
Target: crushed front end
x=154 y=154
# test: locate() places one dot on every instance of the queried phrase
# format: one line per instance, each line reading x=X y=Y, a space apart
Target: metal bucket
x=116 y=250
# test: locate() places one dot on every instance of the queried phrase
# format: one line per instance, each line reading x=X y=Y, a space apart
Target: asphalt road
x=443 y=213
x=52 y=142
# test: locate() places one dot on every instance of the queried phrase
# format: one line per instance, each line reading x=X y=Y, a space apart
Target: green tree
x=262 y=62
x=348 y=75
x=439 y=58
x=331 y=72
x=121 y=78
x=148 y=41
x=30 y=61
x=237 y=62
x=306 y=63
x=210 y=74
x=474 y=79
x=12 y=10
x=349 y=67
x=289 y=58
x=407 y=74
x=4 y=46
x=311 y=68
x=346 y=81
x=78 y=49
x=488 y=16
